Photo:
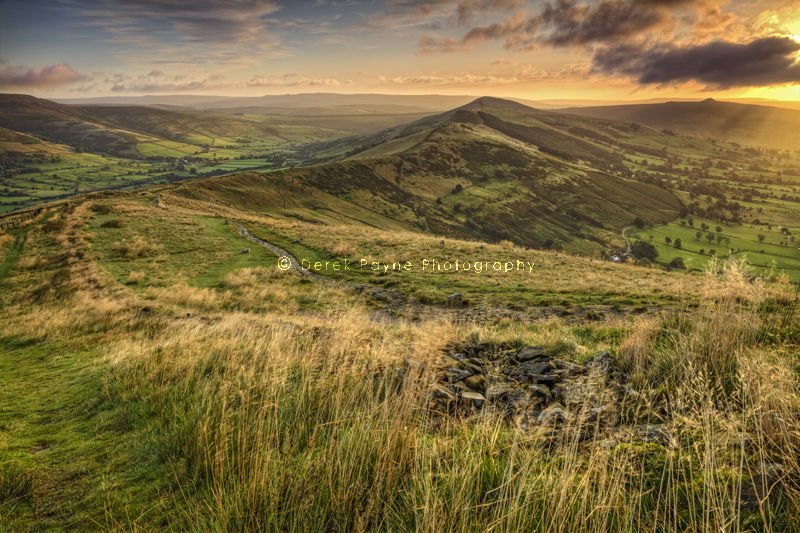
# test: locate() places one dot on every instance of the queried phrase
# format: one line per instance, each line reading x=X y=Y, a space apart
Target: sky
x=537 y=49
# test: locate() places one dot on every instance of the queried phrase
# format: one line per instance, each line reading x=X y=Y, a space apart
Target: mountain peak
x=709 y=101
x=487 y=102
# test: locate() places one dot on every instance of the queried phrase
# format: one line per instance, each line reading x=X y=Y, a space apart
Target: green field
x=775 y=251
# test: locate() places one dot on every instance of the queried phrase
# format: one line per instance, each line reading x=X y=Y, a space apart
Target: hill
x=117 y=130
x=286 y=102
x=748 y=124
x=162 y=370
x=492 y=169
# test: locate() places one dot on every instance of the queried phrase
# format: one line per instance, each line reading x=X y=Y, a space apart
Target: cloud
x=520 y=75
x=156 y=81
x=720 y=65
x=429 y=45
x=570 y=23
x=501 y=61
x=515 y=24
x=40 y=78
x=198 y=21
x=292 y=80
x=467 y=9
x=404 y=14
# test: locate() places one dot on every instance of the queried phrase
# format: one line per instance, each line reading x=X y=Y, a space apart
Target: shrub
x=677 y=262
x=644 y=250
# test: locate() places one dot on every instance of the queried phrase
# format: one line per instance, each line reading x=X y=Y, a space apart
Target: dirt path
x=397 y=304
x=286 y=261
x=627 y=241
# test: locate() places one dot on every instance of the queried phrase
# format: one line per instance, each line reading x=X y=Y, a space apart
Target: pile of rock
x=532 y=388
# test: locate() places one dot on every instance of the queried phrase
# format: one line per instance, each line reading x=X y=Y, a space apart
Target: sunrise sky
x=538 y=49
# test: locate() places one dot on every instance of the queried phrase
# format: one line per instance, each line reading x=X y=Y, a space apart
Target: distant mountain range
x=758 y=125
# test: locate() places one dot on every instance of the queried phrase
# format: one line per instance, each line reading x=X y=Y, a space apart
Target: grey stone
x=540 y=390
x=603 y=361
x=553 y=415
x=529 y=371
x=548 y=379
x=475 y=397
x=454 y=375
x=529 y=352
x=476 y=382
x=455 y=298
x=496 y=392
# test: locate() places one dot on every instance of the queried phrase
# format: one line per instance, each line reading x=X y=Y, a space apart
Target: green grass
x=190 y=403
x=744 y=244
x=198 y=251
x=75 y=451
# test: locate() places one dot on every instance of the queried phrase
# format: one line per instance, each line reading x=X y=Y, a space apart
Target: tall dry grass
x=321 y=423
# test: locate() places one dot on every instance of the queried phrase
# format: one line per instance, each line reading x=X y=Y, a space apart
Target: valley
x=482 y=361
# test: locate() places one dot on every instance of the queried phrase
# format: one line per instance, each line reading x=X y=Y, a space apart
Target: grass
x=154 y=377
x=213 y=411
x=739 y=240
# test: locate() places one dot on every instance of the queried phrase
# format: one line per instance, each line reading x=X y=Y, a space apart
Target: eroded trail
x=397 y=304
x=286 y=260
x=627 y=241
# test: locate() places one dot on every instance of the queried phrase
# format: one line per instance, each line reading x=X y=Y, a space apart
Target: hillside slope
x=755 y=125
x=492 y=169
x=116 y=129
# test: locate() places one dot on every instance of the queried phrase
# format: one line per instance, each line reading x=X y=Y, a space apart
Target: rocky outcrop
x=532 y=389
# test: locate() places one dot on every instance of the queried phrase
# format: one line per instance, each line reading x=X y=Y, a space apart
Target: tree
x=644 y=250
x=702 y=251
x=677 y=262
x=761 y=237
x=719 y=229
x=678 y=243
x=709 y=237
x=638 y=222
x=667 y=240
x=698 y=235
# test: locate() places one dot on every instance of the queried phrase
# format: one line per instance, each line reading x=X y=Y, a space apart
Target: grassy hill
x=493 y=169
x=119 y=130
x=748 y=124
x=161 y=371
x=154 y=377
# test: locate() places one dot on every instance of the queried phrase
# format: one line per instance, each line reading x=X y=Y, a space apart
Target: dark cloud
x=40 y=78
x=569 y=22
x=719 y=65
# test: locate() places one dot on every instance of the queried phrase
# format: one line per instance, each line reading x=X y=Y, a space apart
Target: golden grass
x=281 y=405
x=136 y=247
x=135 y=277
